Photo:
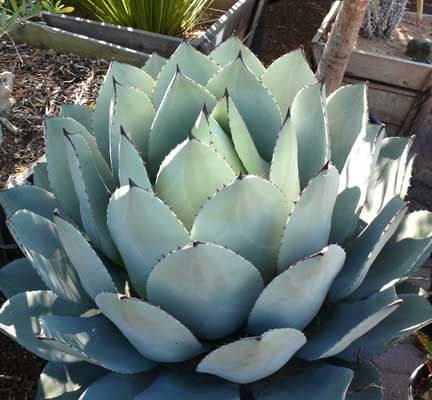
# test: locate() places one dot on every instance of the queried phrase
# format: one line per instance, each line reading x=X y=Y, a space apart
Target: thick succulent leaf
x=40 y=176
x=19 y=276
x=201 y=129
x=353 y=185
x=390 y=176
x=253 y=358
x=191 y=62
x=39 y=241
x=91 y=270
x=131 y=165
x=414 y=313
x=227 y=279
x=286 y=76
x=118 y=386
x=308 y=113
x=343 y=323
x=131 y=111
x=363 y=250
x=294 y=297
x=347 y=111
x=224 y=146
x=189 y=175
x=246 y=216
x=93 y=194
x=80 y=113
x=154 y=65
x=284 y=173
x=367 y=382
x=172 y=384
x=244 y=144
x=255 y=104
x=403 y=254
x=220 y=113
x=313 y=209
x=153 y=332
x=19 y=319
x=66 y=381
x=320 y=381
x=229 y=50
x=30 y=198
x=59 y=174
x=168 y=132
x=95 y=340
x=144 y=229
x=123 y=74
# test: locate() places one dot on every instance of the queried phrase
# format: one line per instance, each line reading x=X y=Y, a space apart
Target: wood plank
x=145 y=42
x=41 y=36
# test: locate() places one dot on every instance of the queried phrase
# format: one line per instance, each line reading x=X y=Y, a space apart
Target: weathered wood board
x=394 y=83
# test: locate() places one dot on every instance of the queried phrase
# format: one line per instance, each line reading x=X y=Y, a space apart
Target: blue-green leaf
x=40 y=176
x=80 y=113
x=154 y=65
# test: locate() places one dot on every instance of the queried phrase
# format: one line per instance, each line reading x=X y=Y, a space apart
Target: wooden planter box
x=92 y=39
x=396 y=85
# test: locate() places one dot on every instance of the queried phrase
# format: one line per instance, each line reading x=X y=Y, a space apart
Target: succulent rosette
x=214 y=229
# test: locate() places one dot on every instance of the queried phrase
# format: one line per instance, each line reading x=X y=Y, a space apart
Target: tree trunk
x=341 y=42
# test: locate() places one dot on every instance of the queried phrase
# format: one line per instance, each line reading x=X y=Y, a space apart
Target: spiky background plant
x=215 y=230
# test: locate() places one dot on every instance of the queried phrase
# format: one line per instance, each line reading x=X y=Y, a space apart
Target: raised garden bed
x=396 y=83
x=92 y=39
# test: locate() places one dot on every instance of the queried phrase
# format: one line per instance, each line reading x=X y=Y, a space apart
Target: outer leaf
x=131 y=111
x=286 y=76
x=123 y=74
x=19 y=319
x=326 y=381
x=314 y=208
x=414 y=313
x=19 y=276
x=167 y=133
x=114 y=386
x=354 y=182
x=284 y=173
x=191 y=62
x=131 y=165
x=363 y=250
x=201 y=129
x=244 y=143
x=40 y=176
x=39 y=241
x=347 y=119
x=248 y=360
x=390 y=175
x=154 y=333
x=308 y=113
x=154 y=65
x=189 y=175
x=255 y=104
x=92 y=272
x=403 y=254
x=248 y=217
x=93 y=195
x=187 y=386
x=227 y=280
x=30 y=198
x=346 y=322
x=58 y=168
x=144 y=229
x=88 y=340
x=293 y=298
x=80 y=113
x=66 y=381
x=229 y=50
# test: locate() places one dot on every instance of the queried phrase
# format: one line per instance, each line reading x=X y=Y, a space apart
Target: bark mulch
x=43 y=81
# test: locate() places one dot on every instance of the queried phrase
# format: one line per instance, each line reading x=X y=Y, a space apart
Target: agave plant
x=215 y=230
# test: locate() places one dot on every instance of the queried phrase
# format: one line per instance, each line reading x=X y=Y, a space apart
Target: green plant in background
x=13 y=12
x=215 y=229
x=169 y=17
